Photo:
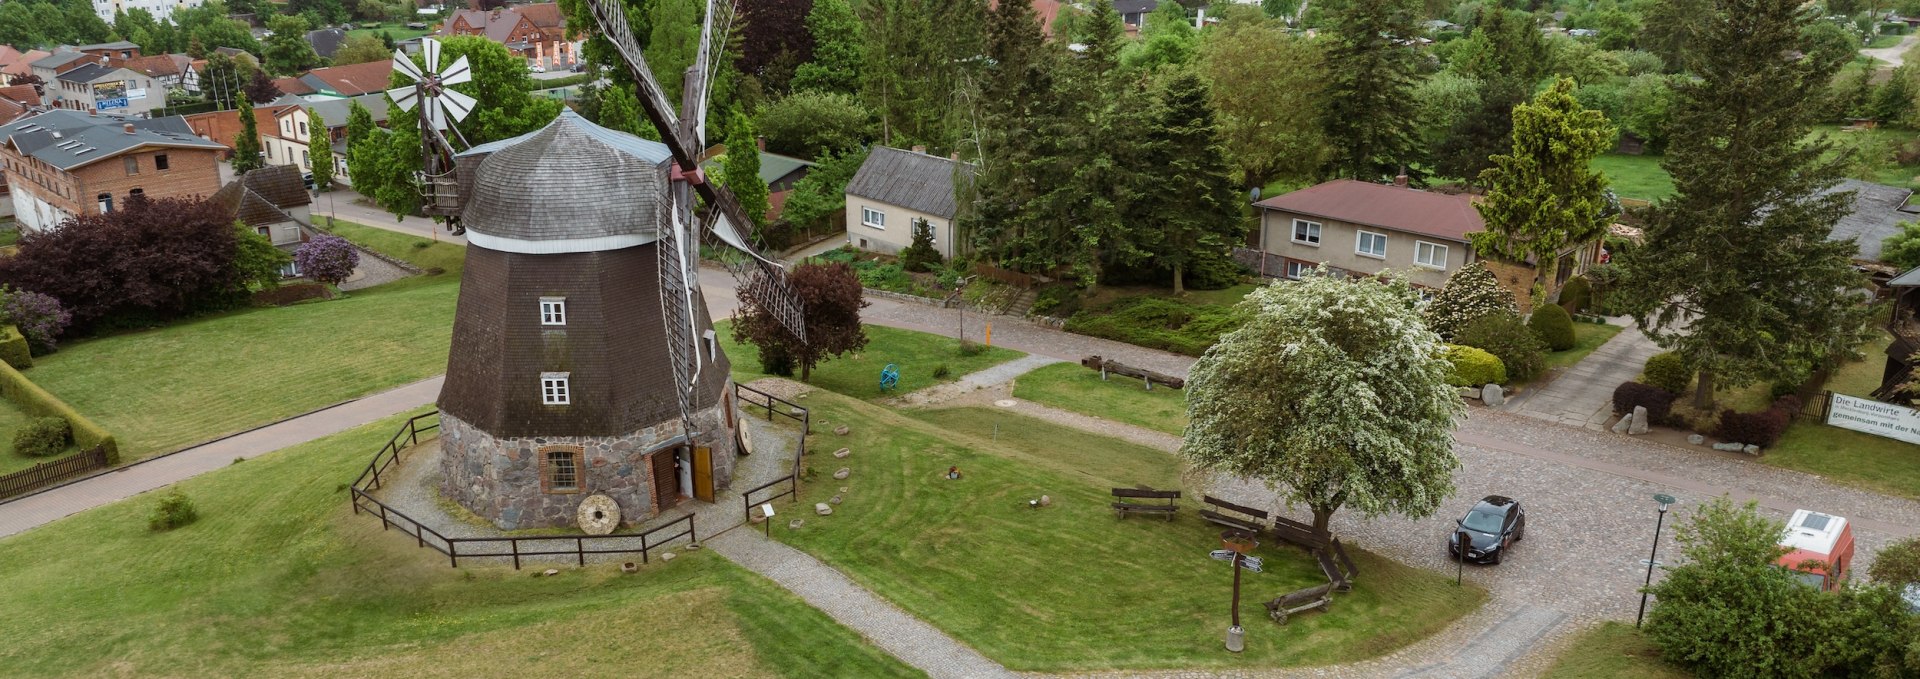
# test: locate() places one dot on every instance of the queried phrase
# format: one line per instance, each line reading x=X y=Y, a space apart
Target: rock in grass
x=822 y=508
x=833 y=500
x=1751 y=449
x=667 y=556
x=842 y=453
x=841 y=430
x=550 y=572
x=1728 y=447
x=844 y=472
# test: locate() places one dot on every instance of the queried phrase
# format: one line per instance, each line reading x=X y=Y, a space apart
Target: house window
x=269 y=151
x=1306 y=232
x=560 y=469
x=553 y=311
x=160 y=161
x=553 y=389
x=1296 y=269
x=1372 y=244
x=873 y=218
x=106 y=202
x=304 y=161
x=713 y=345
x=137 y=192
x=133 y=164
x=303 y=129
x=1430 y=254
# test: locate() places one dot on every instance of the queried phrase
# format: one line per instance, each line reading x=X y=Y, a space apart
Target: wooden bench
x=1252 y=525
x=1124 y=507
x=1319 y=597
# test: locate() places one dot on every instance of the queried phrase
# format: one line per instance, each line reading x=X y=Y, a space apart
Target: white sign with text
x=1873 y=417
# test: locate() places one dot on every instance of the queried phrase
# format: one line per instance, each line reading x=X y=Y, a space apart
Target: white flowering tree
x=1471 y=293
x=1335 y=394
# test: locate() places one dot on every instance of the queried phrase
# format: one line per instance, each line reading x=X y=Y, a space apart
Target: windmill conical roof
x=571 y=186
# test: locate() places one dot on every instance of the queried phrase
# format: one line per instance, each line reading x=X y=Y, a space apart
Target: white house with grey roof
x=107 y=89
x=895 y=191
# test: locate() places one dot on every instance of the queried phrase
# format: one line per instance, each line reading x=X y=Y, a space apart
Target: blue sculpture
x=889 y=377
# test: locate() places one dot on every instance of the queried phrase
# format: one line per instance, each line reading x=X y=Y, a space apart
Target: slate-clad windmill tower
x=583 y=359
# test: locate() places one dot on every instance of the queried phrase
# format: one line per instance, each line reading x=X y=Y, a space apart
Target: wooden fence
x=1007 y=276
x=47 y=473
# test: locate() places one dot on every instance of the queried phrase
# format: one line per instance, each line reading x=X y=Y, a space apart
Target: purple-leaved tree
x=328 y=259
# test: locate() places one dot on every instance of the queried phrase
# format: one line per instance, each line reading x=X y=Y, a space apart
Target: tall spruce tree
x=1103 y=154
x=1021 y=201
x=920 y=62
x=361 y=133
x=246 y=144
x=742 y=172
x=1543 y=195
x=1370 y=116
x=672 y=46
x=1507 y=55
x=1193 y=205
x=1737 y=274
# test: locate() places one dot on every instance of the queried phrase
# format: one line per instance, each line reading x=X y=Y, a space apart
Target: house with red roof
x=1362 y=229
x=339 y=82
x=536 y=31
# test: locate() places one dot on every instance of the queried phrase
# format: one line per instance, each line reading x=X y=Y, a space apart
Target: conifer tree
x=361 y=136
x=1370 y=116
x=1544 y=196
x=1193 y=205
x=671 y=47
x=741 y=174
x=1738 y=274
x=246 y=144
x=1021 y=216
x=1507 y=55
x=838 y=48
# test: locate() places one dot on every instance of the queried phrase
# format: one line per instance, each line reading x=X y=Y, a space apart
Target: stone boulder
x=833 y=500
x=1046 y=501
x=841 y=430
x=668 y=556
x=1470 y=393
x=842 y=453
x=1751 y=449
x=1696 y=439
x=1493 y=395
x=1728 y=447
x=822 y=508
x=1639 y=421
x=843 y=473
x=1625 y=423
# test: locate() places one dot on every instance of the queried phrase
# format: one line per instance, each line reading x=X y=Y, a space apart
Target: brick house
x=60 y=164
x=1363 y=229
x=107 y=89
x=537 y=31
x=351 y=80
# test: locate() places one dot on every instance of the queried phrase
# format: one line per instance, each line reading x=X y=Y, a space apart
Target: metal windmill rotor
x=438 y=107
x=684 y=134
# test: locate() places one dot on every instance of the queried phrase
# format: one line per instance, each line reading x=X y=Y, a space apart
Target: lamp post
x=1665 y=500
x=1238 y=542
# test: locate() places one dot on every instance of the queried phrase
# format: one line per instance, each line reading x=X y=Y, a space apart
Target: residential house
x=285 y=140
x=160 y=9
x=339 y=82
x=15 y=62
x=106 y=89
x=64 y=163
x=779 y=173
x=895 y=191
x=326 y=41
x=1362 y=229
x=49 y=67
x=1878 y=210
x=111 y=50
x=1133 y=13
x=168 y=70
x=537 y=32
x=273 y=202
x=1046 y=10
x=224 y=126
x=17 y=101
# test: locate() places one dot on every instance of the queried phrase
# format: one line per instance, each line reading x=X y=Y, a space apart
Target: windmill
x=437 y=108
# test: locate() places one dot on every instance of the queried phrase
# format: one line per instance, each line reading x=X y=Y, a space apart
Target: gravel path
x=1582 y=396
x=996 y=376
x=372 y=271
x=1896 y=55
x=908 y=638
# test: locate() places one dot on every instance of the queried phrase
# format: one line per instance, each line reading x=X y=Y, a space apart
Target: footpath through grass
x=157 y=390
x=1613 y=650
x=917 y=355
x=278 y=578
x=1071 y=587
x=1072 y=387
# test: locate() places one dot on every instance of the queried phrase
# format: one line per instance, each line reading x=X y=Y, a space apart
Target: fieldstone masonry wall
x=499 y=479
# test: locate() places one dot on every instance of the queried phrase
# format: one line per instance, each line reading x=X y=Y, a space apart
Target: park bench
x=1251 y=525
x=1318 y=596
x=1131 y=500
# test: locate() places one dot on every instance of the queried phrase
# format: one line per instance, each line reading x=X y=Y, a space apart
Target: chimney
x=129 y=128
x=1400 y=180
x=920 y=149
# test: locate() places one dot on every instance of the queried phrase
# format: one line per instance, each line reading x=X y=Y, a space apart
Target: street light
x=1665 y=500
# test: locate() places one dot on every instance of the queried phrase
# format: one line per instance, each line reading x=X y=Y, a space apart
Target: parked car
x=308 y=178
x=579 y=67
x=1492 y=526
x=536 y=68
x=417 y=26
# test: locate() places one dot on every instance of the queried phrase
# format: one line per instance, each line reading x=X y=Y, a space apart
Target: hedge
x=1761 y=428
x=1668 y=370
x=1577 y=295
x=1474 y=367
x=1657 y=401
x=36 y=401
x=14 y=349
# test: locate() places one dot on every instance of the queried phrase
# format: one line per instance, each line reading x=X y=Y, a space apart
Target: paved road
x=1895 y=55
x=1582 y=396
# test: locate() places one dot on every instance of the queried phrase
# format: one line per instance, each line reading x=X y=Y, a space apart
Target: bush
x=971 y=348
x=920 y=256
x=808 y=124
x=1057 y=300
x=1761 y=428
x=291 y=294
x=1472 y=293
x=1668 y=370
x=940 y=372
x=40 y=319
x=1577 y=295
x=174 y=510
x=1474 y=367
x=32 y=399
x=13 y=348
x=1158 y=323
x=1657 y=401
x=42 y=437
x=327 y=258
x=1508 y=339
x=1553 y=326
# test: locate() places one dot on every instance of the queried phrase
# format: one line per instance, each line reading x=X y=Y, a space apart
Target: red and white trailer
x=1821 y=548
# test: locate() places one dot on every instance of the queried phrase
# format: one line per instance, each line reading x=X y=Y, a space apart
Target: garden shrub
x=1059 y=301
x=1473 y=367
x=971 y=348
x=1554 y=327
x=291 y=294
x=920 y=255
x=940 y=372
x=1668 y=370
x=13 y=348
x=327 y=258
x=41 y=437
x=1505 y=336
x=1576 y=295
x=1158 y=323
x=1657 y=401
x=1761 y=428
x=174 y=510
x=39 y=318
x=1472 y=293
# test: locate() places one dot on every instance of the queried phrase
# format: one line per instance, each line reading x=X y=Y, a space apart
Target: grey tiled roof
x=59 y=58
x=1876 y=215
x=1133 y=6
x=915 y=181
x=570 y=180
x=121 y=45
x=82 y=139
x=326 y=41
x=263 y=196
x=335 y=110
x=84 y=74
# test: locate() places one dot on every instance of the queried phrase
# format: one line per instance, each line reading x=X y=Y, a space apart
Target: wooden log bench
x=1131 y=500
x=1250 y=521
x=1319 y=596
x=1108 y=365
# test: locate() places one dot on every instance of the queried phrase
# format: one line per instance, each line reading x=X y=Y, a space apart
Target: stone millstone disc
x=599 y=515
x=746 y=440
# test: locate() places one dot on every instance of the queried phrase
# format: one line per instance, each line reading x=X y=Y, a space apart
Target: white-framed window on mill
x=554 y=390
x=553 y=311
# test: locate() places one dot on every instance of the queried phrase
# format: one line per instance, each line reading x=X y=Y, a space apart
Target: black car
x=1492 y=526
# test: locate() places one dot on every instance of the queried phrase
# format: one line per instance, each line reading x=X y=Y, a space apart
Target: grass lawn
x=1883 y=41
x=11 y=419
x=1635 y=176
x=398 y=31
x=1613 y=650
x=1071 y=587
x=915 y=354
x=278 y=578
x=1069 y=386
x=1156 y=318
x=420 y=252
x=1587 y=337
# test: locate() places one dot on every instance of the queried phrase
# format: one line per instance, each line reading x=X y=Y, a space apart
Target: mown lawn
x=1613 y=650
x=421 y=252
x=1638 y=177
x=1157 y=319
x=917 y=355
x=279 y=579
x=1587 y=337
x=1070 y=386
x=398 y=31
x=1071 y=587
x=11 y=419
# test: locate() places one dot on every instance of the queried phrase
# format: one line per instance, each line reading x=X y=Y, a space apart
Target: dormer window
x=554 y=390
x=553 y=311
